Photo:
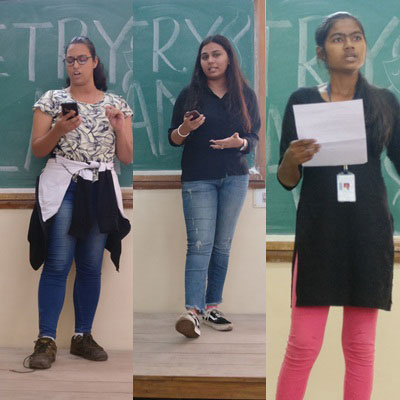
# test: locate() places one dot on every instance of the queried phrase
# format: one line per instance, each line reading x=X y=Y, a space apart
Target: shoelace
x=196 y=319
x=26 y=365
x=216 y=313
x=42 y=346
x=40 y=349
x=88 y=340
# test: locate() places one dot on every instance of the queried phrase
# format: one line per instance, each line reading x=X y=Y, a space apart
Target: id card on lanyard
x=345 y=180
x=346 y=186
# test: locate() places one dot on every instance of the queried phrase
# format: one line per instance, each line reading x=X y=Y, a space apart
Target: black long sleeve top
x=344 y=249
x=199 y=160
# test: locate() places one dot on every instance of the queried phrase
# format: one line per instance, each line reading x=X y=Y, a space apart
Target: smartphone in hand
x=67 y=107
x=194 y=114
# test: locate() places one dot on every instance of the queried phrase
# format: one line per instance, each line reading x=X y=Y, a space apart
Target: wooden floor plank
x=145 y=323
x=69 y=378
x=199 y=388
x=217 y=365
x=35 y=395
x=197 y=348
x=233 y=337
x=204 y=360
x=200 y=371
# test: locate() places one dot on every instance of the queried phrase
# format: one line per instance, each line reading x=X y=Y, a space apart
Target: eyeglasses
x=82 y=60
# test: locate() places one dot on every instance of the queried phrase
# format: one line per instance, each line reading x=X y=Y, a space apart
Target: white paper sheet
x=339 y=128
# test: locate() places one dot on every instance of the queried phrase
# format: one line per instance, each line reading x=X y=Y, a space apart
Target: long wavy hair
x=99 y=75
x=235 y=81
x=377 y=111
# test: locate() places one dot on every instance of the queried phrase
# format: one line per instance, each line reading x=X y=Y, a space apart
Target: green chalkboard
x=33 y=34
x=291 y=64
x=167 y=34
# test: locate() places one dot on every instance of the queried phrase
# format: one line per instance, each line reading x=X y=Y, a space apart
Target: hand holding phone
x=71 y=122
x=192 y=120
x=67 y=107
x=194 y=114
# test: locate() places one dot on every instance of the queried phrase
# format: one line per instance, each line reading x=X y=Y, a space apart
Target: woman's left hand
x=232 y=142
x=123 y=134
x=116 y=118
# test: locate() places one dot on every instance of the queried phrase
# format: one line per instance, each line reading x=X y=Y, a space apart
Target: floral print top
x=94 y=138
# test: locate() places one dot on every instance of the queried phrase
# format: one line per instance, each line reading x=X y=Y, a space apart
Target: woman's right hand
x=45 y=137
x=67 y=123
x=301 y=151
x=298 y=152
x=190 y=124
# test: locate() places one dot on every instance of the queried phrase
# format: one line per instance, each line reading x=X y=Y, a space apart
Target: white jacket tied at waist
x=56 y=177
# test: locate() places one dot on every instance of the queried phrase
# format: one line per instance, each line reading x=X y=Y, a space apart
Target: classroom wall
x=326 y=380
x=159 y=255
x=158 y=239
x=19 y=284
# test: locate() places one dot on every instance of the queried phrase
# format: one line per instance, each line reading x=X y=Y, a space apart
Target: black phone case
x=194 y=113
x=66 y=107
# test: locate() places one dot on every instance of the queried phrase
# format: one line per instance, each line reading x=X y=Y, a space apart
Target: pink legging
x=305 y=341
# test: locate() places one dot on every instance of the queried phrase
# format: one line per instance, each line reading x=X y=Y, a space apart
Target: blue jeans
x=62 y=248
x=211 y=209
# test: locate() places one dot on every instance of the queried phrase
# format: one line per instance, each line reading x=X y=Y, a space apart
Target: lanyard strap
x=328 y=89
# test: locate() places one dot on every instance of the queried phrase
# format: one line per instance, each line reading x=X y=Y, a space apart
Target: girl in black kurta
x=343 y=250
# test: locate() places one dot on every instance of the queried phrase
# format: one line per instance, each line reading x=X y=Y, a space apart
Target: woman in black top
x=343 y=250
x=216 y=119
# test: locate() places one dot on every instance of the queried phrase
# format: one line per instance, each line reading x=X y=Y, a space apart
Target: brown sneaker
x=44 y=354
x=85 y=346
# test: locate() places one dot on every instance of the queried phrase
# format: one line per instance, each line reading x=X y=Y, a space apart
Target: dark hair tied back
x=99 y=76
x=378 y=113
x=326 y=25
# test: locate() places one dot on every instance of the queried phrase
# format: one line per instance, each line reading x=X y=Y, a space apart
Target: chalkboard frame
x=282 y=250
x=24 y=197
x=280 y=246
x=172 y=180
x=12 y=199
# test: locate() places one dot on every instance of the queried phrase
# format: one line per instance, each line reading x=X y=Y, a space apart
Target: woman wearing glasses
x=78 y=209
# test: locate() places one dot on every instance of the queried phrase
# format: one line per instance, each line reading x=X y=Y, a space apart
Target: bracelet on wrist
x=243 y=145
x=180 y=134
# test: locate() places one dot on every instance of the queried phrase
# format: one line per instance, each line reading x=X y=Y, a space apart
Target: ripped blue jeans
x=211 y=209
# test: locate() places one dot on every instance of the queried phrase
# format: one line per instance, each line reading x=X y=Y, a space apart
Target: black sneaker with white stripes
x=188 y=324
x=216 y=320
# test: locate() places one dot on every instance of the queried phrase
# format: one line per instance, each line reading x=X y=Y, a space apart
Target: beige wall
x=159 y=255
x=159 y=243
x=18 y=292
x=326 y=380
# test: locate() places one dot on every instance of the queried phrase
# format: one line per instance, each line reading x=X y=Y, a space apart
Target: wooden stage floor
x=217 y=365
x=70 y=377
